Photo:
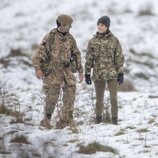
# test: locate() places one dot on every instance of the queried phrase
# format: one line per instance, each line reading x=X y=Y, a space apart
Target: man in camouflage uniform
x=104 y=55
x=53 y=62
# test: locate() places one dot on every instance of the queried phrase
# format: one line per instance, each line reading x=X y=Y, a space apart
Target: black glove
x=120 y=78
x=88 y=79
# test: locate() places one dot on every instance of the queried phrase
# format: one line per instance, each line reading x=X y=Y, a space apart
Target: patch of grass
x=5 y=110
x=36 y=155
x=73 y=140
x=147 y=146
x=74 y=129
x=127 y=86
x=141 y=138
x=130 y=127
x=155 y=124
x=152 y=120
x=20 y=139
x=143 y=130
x=146 y=12
x=147 y=63
x=94 y=147
x=10 y=104
x=142 y=75
x=10 y=112
x=5 y=152
x=65 y=144
x=121 y=132
x=16 y=52
x=11 y=132
x=152 y=96
x=144 y=54
x=146 y=151
x=18 y=116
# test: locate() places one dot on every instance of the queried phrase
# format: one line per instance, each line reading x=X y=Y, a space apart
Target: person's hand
x=80 y=76
x=39 y=74
x=120 y=78
x=88 y=79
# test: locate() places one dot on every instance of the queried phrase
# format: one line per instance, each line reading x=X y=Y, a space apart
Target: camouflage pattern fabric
x=60 y=75
x=52 y=94
x=60 y=48
x=104 y=55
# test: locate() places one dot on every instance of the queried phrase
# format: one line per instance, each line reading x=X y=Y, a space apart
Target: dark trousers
x=100 y=89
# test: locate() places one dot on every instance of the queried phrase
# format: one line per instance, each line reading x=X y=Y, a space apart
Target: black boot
x=114 y=120
x=98 y=119
x=71 y=115
x=49 y=116
x=46 y=122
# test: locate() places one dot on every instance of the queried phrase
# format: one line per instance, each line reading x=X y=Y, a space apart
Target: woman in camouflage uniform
x=104 y=55
x=52 y=63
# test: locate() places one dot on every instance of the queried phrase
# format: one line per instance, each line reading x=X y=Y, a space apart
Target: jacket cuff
x=121 y=70
x=87 y=71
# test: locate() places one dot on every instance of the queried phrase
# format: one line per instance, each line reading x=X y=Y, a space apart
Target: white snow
x=24 y=23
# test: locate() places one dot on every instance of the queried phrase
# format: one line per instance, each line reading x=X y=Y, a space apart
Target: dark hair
x=58 y=23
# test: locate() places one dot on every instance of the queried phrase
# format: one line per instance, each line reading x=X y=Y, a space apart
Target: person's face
x=101 y=28
x=64 y=28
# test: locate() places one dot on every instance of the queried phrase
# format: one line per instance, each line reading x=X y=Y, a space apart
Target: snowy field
x=22 y=25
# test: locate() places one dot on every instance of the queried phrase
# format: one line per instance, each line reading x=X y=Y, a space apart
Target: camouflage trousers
x=53 y=93
x=100 y=89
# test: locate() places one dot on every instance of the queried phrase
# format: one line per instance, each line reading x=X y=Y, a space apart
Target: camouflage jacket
x=59 y=48
x=104 y=55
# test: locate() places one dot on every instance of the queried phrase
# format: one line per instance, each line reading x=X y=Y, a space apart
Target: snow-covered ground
x=22 y=26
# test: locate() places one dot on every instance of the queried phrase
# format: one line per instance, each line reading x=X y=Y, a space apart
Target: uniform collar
x=102 y=35
x=62 y=34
